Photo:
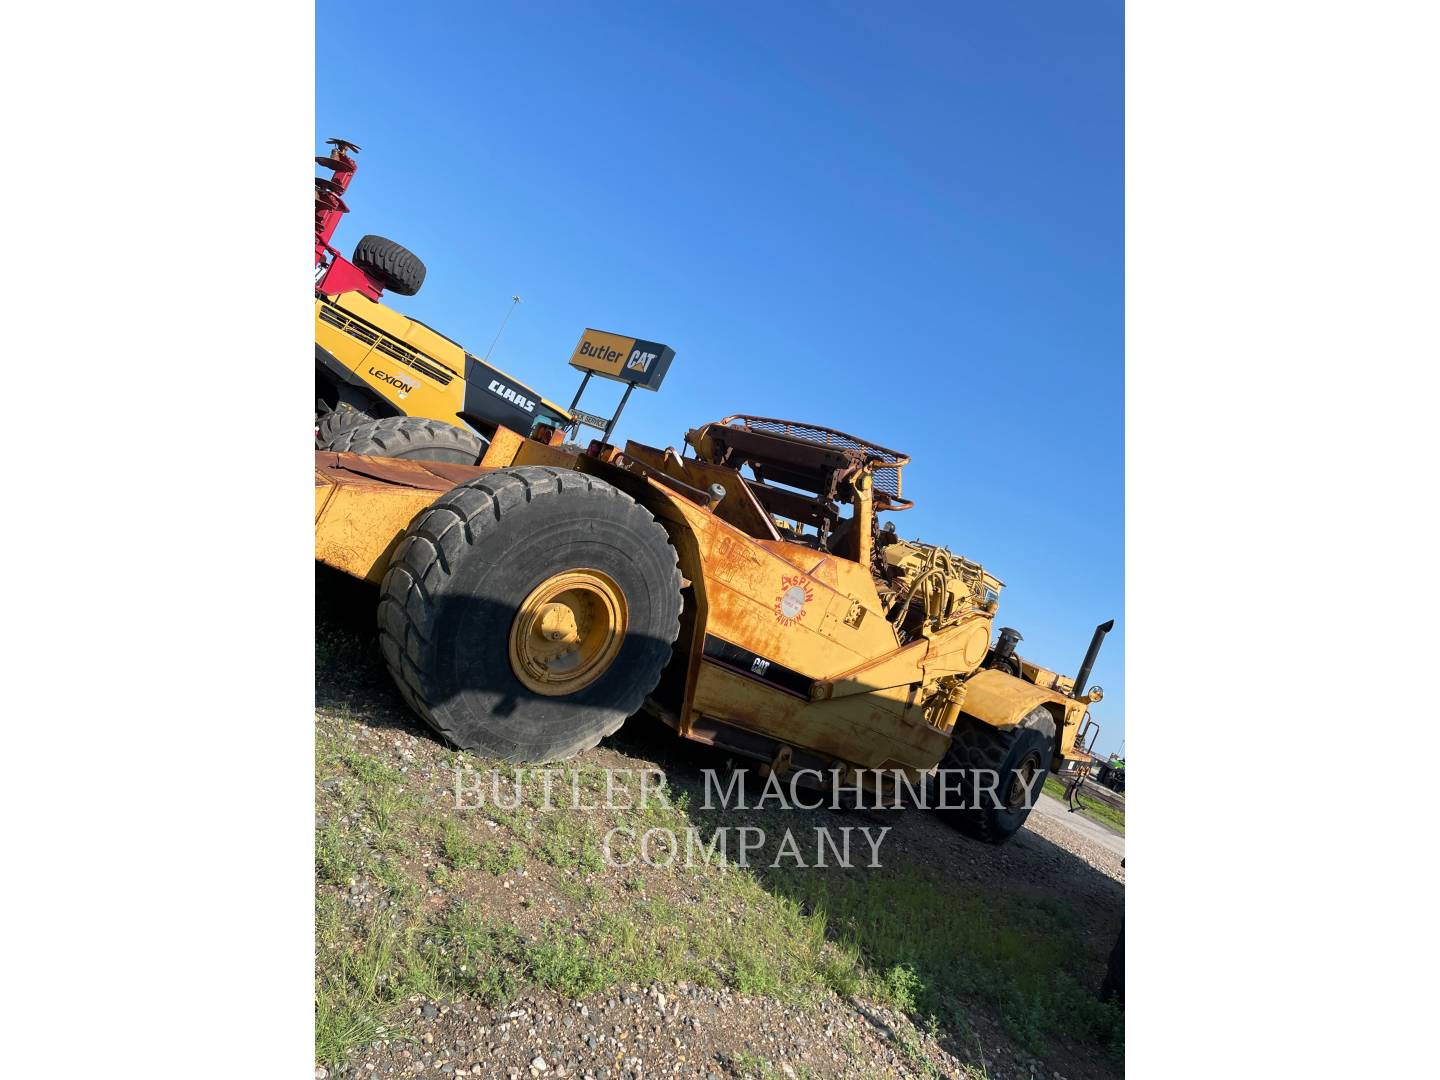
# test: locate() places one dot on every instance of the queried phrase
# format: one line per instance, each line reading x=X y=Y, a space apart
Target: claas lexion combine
x=386 y=383
x=744 y=592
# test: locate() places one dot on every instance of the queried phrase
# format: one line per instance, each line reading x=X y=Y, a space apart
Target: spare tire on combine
x=410 y=437
x=528 y=612
x=1019 y=756
x=397 y=268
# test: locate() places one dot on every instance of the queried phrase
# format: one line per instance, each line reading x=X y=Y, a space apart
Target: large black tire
x=330 y=424
x=1022 y=752
x=411 y=437
x=457 y=583
x=397 y=268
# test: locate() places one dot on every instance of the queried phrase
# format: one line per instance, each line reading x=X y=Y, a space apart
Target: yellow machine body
x=388 y=364
x=845 y=646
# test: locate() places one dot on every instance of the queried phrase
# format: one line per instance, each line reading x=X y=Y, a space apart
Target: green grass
x=365 y=969
x=460 y=846
x=497 y=859
x=1095 y=808
x=735 y=934
x=569 y=841
x=925 y=949
x=903 y=937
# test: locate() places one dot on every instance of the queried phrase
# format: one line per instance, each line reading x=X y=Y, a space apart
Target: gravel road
x=1079 y=835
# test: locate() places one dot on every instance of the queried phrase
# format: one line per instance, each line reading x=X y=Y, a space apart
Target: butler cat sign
x=624 y=359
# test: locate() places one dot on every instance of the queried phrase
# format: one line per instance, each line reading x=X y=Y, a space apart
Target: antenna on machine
x=514 y=303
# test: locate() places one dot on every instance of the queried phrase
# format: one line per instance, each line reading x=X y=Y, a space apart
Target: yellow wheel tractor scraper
x=745 y=593
x=390 y=385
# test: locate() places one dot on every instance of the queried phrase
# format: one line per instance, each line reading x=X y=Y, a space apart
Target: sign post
x=623 y=359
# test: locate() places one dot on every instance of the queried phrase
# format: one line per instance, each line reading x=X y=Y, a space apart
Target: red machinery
x=335 y=274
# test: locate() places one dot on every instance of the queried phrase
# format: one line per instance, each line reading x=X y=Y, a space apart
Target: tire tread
x=388 y=436
x=477 y=506
x=977 y=745
x=398 y=268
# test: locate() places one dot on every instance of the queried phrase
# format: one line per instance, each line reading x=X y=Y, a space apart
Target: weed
x=459 y=846
x=899 y=986
x=498 y=860
x=909 y=1044
x=1096 y=808
x=569 y=842
x=334 y=858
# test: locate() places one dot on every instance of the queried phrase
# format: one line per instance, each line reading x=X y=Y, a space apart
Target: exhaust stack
x=1089 y=662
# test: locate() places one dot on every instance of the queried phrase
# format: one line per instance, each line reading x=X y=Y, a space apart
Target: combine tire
x=528 y=612
x=329 y=424
x=395 y=267
x=1019 y=756
x=411 y=437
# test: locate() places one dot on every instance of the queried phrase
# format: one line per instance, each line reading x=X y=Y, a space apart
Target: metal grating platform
x=887 y=476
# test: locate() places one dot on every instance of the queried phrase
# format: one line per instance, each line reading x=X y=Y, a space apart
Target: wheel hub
x=567 y=632
x=557 y=623
x=1021 y=781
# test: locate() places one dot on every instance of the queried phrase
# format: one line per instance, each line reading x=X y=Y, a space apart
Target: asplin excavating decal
x=795 y=594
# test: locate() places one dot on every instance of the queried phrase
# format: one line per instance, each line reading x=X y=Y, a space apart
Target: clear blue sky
x=905 y=221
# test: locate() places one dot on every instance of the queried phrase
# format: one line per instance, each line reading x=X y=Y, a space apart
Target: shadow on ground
x=972 y=941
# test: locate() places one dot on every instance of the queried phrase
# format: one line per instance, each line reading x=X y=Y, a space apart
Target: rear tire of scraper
x=1020 y=753
x=465 y=579
x=413 y=438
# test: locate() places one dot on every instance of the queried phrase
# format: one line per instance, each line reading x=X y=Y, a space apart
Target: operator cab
x=804 y=478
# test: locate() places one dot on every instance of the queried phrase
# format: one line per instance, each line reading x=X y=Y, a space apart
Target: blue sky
x=905 y=221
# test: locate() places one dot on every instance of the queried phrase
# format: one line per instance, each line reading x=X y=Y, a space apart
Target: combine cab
x=745 y=593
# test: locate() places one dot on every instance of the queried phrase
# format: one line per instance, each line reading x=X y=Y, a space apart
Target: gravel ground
x=683 y=1031
x=1072 y=842
x=653 y=1031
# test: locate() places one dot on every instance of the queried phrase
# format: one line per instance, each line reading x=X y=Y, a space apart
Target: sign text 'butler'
x=631 y=360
